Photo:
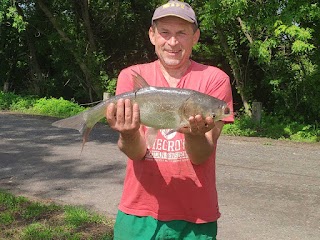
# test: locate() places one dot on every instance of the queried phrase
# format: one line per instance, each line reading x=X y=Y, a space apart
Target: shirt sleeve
x=125 y=81
x=219 y=87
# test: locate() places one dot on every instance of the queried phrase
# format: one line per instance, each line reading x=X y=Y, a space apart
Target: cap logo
x=173 y=5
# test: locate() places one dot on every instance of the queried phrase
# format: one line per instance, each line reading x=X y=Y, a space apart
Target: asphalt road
x=268 y=190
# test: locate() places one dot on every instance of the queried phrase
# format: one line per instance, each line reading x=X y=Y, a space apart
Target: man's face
x=173 y=39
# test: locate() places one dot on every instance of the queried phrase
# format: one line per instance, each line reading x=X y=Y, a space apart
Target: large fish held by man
x=160 y=108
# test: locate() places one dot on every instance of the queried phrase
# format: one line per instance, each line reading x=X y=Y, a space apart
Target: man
x=169 y=189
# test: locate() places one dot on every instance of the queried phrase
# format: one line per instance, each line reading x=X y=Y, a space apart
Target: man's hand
x=124 y=117
x=201 y=137
x=198 y=125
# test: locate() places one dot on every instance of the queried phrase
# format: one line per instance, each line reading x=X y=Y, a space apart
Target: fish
x=160 y=108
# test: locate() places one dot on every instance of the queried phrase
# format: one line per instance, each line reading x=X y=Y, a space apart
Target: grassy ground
x=23 y=219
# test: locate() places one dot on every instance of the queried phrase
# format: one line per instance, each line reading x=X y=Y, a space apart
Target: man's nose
x=173 y=41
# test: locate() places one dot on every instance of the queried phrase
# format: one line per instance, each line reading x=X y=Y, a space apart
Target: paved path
x=268 y=190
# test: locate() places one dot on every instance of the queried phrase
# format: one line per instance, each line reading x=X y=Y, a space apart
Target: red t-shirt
x=166 y=185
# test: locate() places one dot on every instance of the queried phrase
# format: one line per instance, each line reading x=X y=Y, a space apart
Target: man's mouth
x=173 y=52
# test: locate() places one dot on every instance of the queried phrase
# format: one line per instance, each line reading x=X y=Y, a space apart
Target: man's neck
x=173 y=75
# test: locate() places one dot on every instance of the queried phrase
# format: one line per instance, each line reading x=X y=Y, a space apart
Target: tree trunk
x=12 y=65
x=36 y=73
x=236 y=69
x=142 y=26
x=83 y=66
x=87 y=24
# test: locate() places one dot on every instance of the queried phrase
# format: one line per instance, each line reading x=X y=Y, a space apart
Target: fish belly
x=160 y=111
x=159 y=116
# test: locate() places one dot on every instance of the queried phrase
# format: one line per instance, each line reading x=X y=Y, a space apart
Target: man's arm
x=201 y=137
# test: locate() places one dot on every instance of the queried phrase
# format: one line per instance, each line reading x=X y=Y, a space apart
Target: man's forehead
x=173 y=22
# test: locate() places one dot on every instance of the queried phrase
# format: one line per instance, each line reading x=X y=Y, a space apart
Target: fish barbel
x=160 y=108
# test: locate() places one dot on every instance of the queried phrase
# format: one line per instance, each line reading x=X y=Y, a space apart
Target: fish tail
x=84 y=121
x=77 y=122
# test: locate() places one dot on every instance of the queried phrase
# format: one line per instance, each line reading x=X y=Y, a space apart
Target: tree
x=270 y=47
x=11 y=25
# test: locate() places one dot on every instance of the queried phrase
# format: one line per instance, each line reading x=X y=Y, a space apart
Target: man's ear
x=152 y=35
x=196 y=37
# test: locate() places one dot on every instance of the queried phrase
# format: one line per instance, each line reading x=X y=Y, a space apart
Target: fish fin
x=85 y=137
x=151 y=135
x=139 y=81
x=76 y=122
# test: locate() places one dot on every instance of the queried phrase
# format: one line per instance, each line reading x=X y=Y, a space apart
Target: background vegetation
x=75 y=50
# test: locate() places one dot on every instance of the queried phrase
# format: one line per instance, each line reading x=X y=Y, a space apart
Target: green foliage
x=17 y=20
x=9 y=13
x=56 y=107
x=108 y=85
x=23 y=104
x=43 y=106
x=6 y=99
x=273 y=127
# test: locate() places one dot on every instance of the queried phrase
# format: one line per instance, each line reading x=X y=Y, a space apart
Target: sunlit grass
x=23 y=219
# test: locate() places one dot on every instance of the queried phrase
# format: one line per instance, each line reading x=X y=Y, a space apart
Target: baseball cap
x=177 y=9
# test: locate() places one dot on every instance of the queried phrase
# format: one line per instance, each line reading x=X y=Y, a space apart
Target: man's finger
x=120 y=111
x=135 y=114
x=127 y=112
x=110 y=114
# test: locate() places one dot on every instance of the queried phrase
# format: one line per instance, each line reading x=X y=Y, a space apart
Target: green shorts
x=129 y=227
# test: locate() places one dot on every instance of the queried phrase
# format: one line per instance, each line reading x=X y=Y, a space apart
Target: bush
x=22 y=104
x=273 y=127
x=30 y=104
x=56 y=107
x=6 y=99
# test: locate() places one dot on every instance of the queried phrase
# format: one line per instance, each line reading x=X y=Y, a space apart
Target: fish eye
x=226 y=111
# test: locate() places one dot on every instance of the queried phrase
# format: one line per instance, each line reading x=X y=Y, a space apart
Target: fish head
x=205 y=105
x=220 y=112
x=213 y=107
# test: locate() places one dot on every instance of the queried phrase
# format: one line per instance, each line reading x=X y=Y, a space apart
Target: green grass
x=23 y=219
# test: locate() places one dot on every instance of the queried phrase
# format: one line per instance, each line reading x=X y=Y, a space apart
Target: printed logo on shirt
x=167 y=136
x=168 y=147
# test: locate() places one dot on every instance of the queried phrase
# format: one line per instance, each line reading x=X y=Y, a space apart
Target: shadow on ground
x=38 y=159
